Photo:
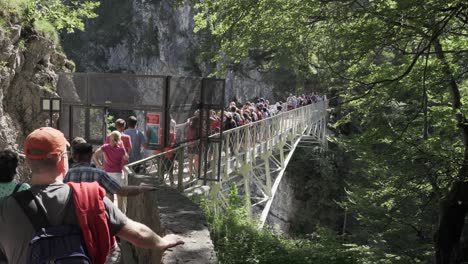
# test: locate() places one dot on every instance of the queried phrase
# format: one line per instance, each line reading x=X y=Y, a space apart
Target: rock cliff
x=308 y=194
x=29 y=63
x=154 y=37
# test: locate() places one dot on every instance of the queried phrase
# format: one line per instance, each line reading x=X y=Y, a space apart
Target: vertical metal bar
x=201 y=140
x=105 y=124
x=214 y=160
x=245 y=171
x=267 y=172
x=87 y=124
x=180 y=172
x=248 y=145
x=70 y=122
x=205 y=130
x=236 y=148
x=166 y=114
x=254 y=143
x=226 y=156
x=221 y=130
x=50 y=113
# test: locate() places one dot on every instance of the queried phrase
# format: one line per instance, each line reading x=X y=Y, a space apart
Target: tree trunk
x=453 y=209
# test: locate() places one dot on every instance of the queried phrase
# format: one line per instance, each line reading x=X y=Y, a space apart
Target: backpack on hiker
x=62 y=244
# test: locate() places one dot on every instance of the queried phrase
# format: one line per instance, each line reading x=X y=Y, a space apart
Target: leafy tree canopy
x=400 y=68
x=63 y=15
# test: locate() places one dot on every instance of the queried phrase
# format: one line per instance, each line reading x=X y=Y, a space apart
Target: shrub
x=45 y=28
x=3 y=24
x=62 y=15
x=237 y=239
x=17 y=7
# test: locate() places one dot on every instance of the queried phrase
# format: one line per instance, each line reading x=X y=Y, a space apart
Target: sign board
x=153 y=125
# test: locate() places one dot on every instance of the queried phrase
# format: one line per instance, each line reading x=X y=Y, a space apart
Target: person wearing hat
x=46 y=155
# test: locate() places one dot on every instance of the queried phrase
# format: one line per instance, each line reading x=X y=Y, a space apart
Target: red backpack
x=91 y=213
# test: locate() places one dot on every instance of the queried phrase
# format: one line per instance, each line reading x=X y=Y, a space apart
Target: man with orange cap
x=46 y=155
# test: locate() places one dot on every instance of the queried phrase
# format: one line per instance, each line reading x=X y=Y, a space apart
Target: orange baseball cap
x=44 y=143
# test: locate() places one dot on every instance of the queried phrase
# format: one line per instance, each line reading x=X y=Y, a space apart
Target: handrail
x=239 y=145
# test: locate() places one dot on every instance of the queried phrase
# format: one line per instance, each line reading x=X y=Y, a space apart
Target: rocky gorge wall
x=309 y=191
x=29 y=63
x=155 y=37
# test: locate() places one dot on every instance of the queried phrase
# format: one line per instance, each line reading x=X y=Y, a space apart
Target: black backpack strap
x=69 y=212
x=32 y=208
x=17 y=187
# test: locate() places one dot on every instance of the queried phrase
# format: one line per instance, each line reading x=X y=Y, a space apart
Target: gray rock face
x=29 y=64
x=308 y=193
x=152 y=37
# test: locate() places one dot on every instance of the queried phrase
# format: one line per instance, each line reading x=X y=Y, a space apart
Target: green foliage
x=18 y=7
x=45 y=28
x=3 y=24
x=397 y=66
x=62 y=15
x=237 y=239
x=66 y=15
x=110 y=124
x=22 y=45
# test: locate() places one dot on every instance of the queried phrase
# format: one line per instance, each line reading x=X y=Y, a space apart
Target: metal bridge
x=253 y=156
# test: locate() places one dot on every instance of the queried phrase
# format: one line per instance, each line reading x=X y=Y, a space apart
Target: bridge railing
x=239 y=146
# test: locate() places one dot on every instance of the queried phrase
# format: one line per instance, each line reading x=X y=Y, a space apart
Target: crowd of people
x=68 y=209
x=236 y=114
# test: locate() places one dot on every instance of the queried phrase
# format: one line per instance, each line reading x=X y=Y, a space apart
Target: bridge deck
x=253 y=156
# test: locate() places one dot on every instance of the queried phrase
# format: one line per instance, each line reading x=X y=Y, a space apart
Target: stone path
x=167 y=211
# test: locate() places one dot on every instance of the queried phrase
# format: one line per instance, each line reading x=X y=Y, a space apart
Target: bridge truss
x=253 y=156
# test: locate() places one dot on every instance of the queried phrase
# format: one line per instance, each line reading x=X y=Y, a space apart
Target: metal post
x=266 y=158
x=226 y=156
x=70 y=122
x=166 y=114
x=236 y=149
x=245 y=172
x=50 y=113
x=214 y=163
x=180 y=173
x=87 y=123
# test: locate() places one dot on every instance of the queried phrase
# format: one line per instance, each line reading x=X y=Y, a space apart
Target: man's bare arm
x=142 y=236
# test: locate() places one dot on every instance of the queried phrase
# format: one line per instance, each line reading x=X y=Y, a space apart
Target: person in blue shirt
x=138 y=140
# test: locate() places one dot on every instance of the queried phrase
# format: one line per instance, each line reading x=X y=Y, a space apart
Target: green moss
x=49 y=88
x=3 y=25
x=22 y=45
x=47 y=30
x=18 y=7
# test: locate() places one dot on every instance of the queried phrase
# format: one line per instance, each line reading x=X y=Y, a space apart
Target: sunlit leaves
x=65 y=15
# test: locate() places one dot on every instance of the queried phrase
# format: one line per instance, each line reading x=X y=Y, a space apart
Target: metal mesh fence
x=172 y=111
x=184 y=100
x=125 y=90
x=72 y=88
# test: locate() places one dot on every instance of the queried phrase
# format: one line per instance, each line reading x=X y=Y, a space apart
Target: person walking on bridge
x=115 y=157
x=83 y=171
x=137 y=138
x=125 y=140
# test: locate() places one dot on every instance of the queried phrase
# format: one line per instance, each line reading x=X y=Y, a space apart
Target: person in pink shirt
x=115 y=157
x=126 y=141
